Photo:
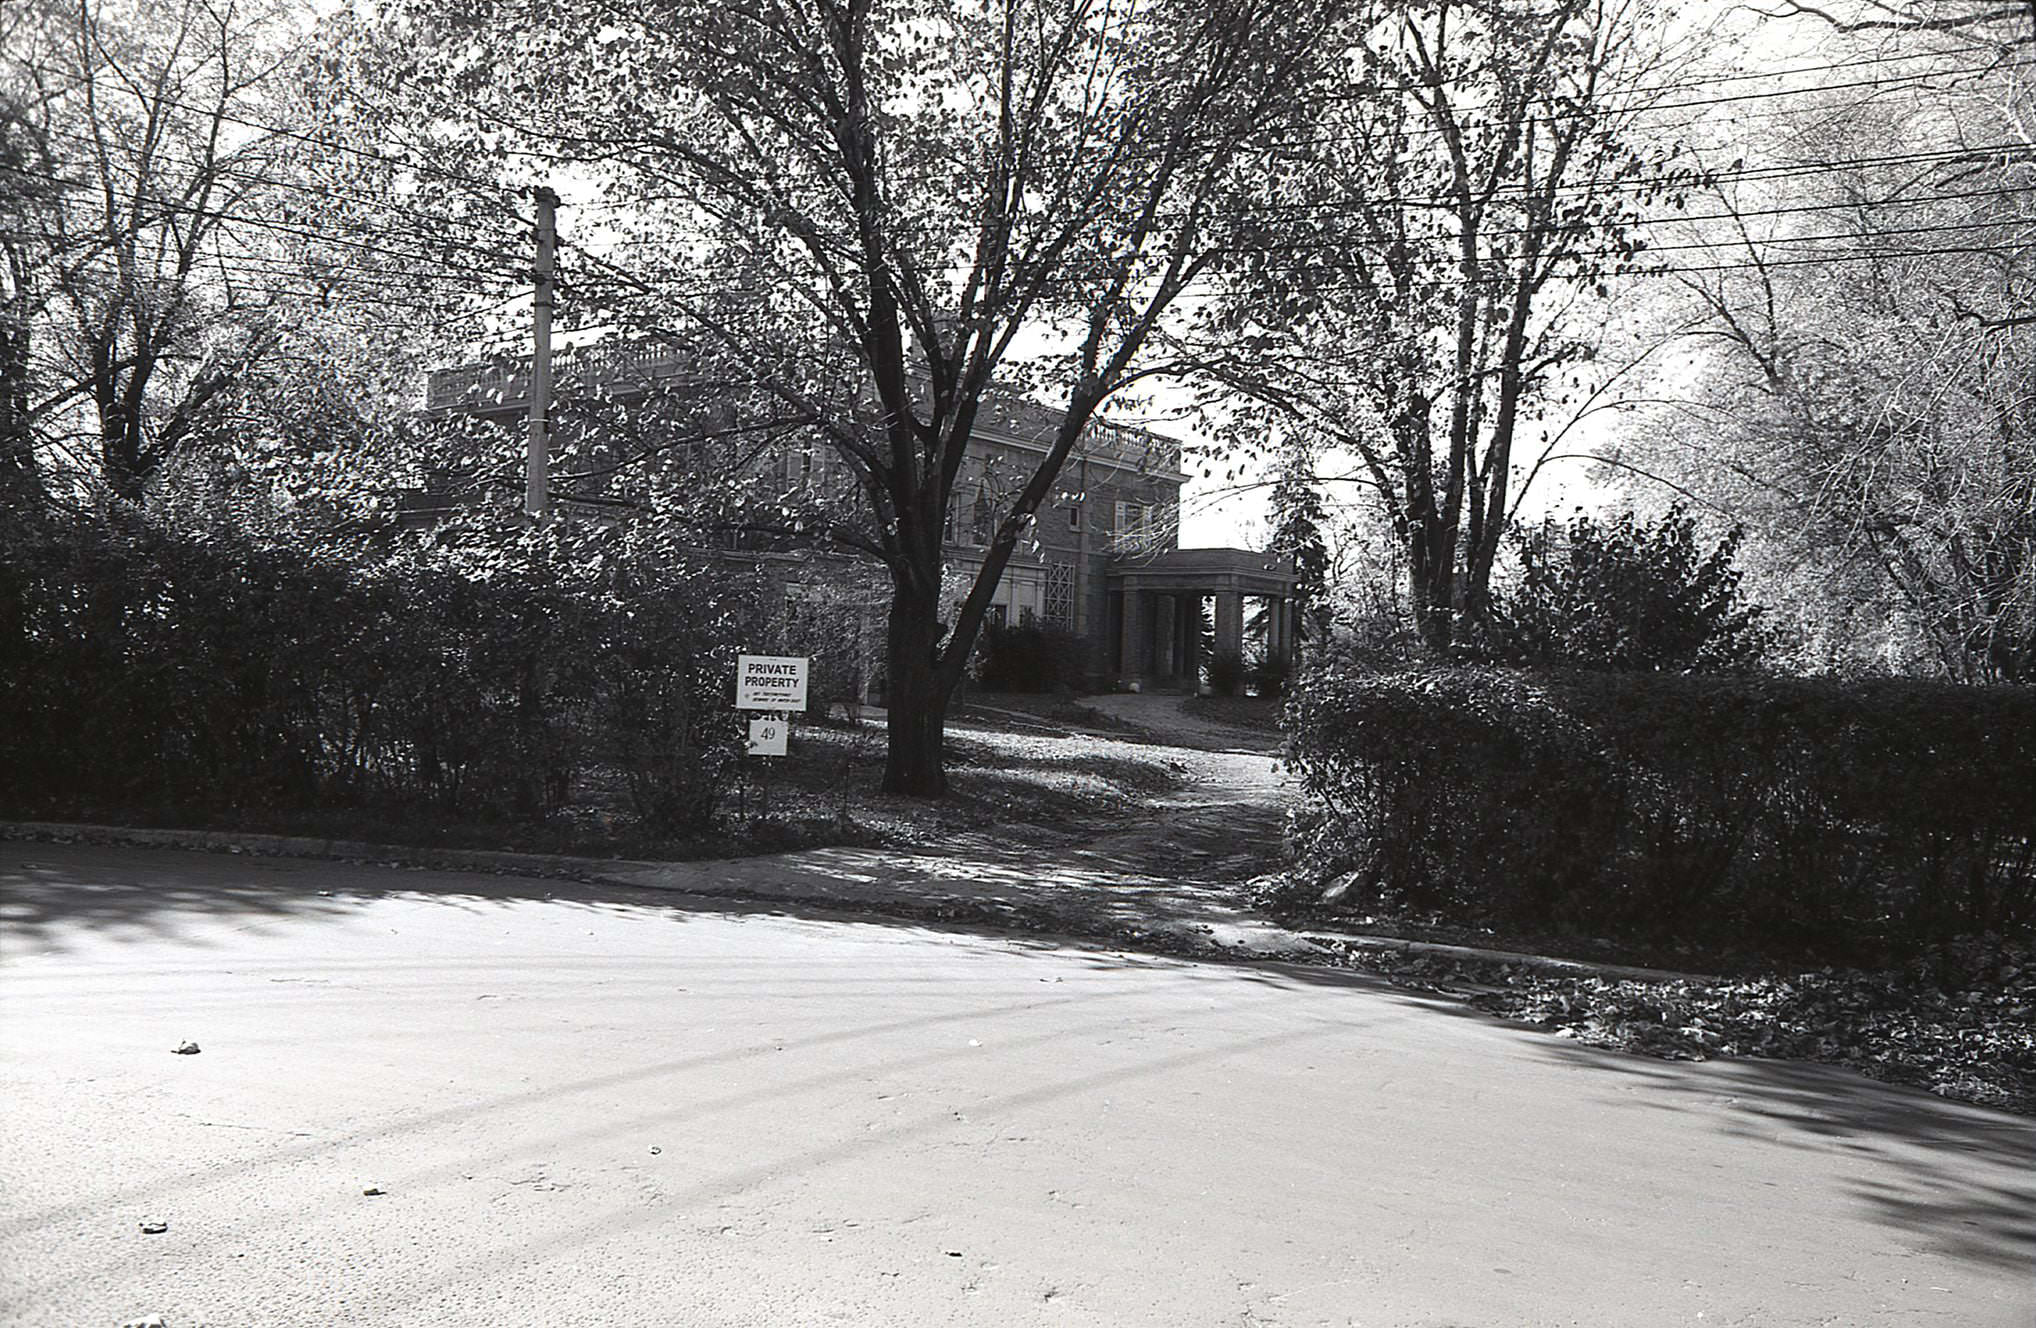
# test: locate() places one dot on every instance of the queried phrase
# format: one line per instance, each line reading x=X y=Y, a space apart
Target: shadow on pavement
x=49 y=892
x=1958 y=1179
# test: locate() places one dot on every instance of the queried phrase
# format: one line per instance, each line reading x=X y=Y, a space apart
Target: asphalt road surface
x=615 y=1107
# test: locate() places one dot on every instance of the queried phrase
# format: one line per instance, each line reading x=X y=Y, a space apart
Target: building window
x=1060 y=595
x=1074 y=515
x=982 y=515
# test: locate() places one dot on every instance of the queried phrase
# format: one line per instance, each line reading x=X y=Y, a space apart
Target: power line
x=491 y=189
x=227 y=168
x=1907 y=82
x=378 y=246
x=484 y=187
x=1770 y=173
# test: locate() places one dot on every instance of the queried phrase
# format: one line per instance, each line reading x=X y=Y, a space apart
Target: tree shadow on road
x=53 y=893
x=47 y=891
x=1952 y=1178
x=1935 y=1148
x=1957 y=1179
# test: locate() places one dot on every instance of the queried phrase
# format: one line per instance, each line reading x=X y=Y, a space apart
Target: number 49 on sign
x=766 y=737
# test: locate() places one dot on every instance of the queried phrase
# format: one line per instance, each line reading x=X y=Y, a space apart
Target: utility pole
x=537 y=479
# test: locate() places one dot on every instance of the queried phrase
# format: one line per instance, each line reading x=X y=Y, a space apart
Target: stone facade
x=1102 y=562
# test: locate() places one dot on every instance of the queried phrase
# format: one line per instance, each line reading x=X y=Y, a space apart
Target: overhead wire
x=493 y=188
x=1772 y=172
x=372 y=240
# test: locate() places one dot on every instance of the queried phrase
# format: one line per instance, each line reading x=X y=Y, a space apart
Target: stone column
x=1230 y=621
x=1162 y=635
x=1134 y=636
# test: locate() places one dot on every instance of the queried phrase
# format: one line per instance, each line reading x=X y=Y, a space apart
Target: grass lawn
x=1245 y=712
x=1000 y=777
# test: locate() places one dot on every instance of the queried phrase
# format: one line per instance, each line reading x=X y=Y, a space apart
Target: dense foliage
x=210 y=674
x=1028 y=658
x=1298 y=518
x=1623 y=593
x=1865 y=407
x=1226 y=670
x=1786 y=816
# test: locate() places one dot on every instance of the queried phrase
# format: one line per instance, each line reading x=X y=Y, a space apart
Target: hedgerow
x=1787 y=816
x=210 y=673
x=1028 y=658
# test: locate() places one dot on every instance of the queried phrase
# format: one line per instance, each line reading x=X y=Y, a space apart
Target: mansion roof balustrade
x=503 y=384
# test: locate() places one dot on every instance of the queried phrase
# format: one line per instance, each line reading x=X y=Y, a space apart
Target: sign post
x=775 y=683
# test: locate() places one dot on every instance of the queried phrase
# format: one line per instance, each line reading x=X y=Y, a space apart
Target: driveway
x=606 y=1106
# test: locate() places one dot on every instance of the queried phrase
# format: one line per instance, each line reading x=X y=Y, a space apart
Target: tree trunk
x=1431 y=560
x=1431 y=576
x=916 y=694
x=22 y=496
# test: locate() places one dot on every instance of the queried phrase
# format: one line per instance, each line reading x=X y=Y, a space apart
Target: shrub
x=1225 y=671
x=836 y=629
x=1269 y=673
x=1786 y=815
x=1028 y=658
x=1627 y=594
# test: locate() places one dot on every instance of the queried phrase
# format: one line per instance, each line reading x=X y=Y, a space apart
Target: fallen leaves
x=1956 y=1023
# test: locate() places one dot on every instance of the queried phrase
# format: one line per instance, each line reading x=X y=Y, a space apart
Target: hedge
x=1028 y=658
x=1804 y=816
x=157 y=671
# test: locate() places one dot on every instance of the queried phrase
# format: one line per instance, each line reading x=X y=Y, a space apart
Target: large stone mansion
x=1105 y=563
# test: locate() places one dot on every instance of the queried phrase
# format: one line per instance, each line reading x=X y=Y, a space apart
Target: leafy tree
x=1857 y=391
x=1628 y=594
x=135 y=299
x=1428 y=279
x=874 y=217
x=1298 y=521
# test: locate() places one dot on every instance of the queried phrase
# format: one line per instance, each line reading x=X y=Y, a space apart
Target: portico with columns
x=1155 y=610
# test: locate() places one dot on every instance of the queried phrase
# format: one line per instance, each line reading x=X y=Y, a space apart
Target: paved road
x=615 y=1107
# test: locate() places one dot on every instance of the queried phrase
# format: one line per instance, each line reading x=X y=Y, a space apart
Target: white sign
x=770 y=682
x=766 y=737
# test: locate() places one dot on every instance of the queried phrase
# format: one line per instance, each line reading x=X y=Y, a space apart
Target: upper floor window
x=982 y=515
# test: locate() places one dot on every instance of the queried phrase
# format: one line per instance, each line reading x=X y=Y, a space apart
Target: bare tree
x=1858 y=385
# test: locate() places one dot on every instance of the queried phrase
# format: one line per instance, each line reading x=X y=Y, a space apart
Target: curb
x=1578 y=968
x=1177 y=938
x=310 y=846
